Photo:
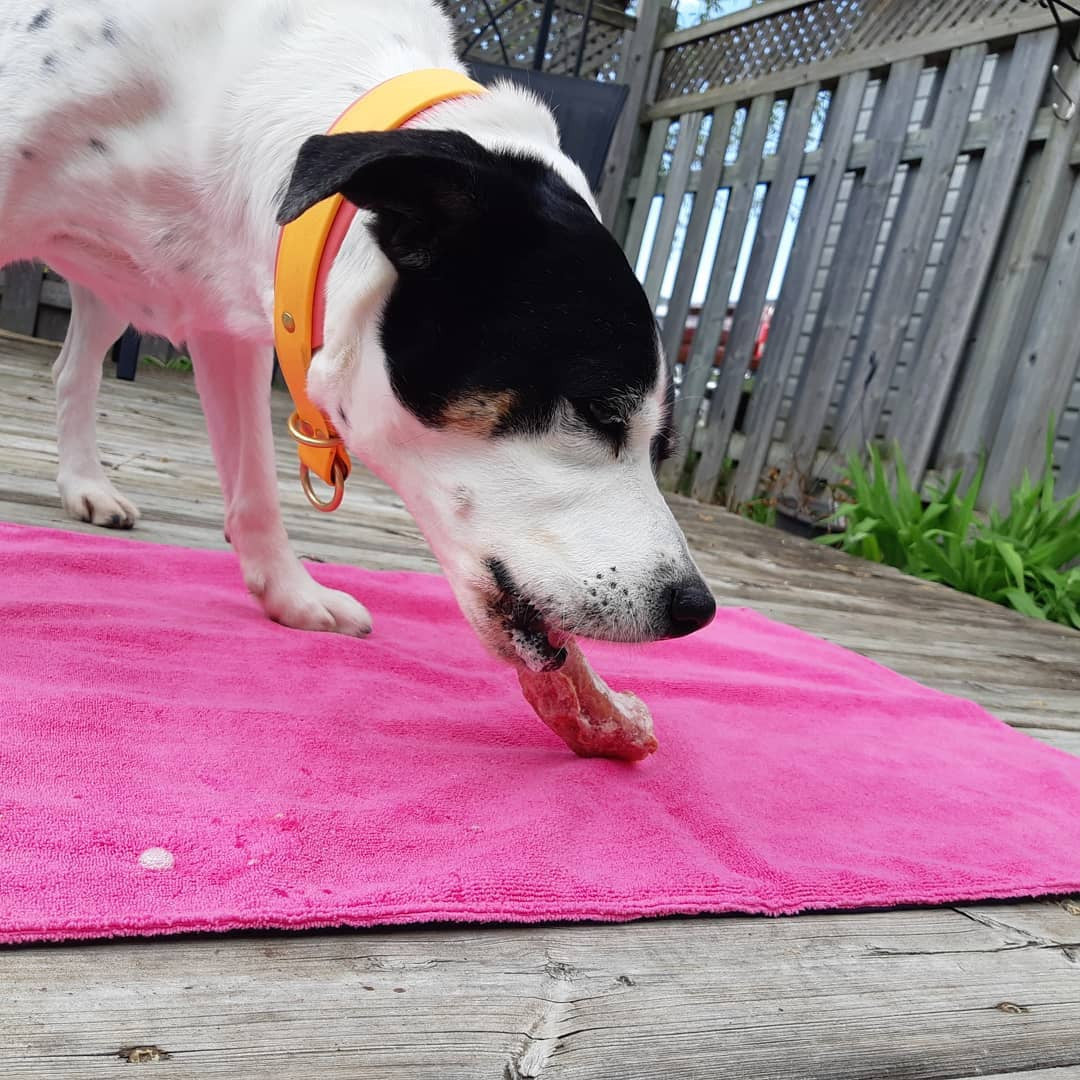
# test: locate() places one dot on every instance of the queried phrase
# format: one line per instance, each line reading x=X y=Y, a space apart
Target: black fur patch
x=98 y=146
x=41 y=19
x=49 y=61
x=507 y=282
x=534 y=297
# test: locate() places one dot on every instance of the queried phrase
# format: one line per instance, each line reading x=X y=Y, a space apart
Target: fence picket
x=929 y=383
x=798 y=284
x=696 y=231
x=1011 y=300
x=646 y=189
x=1047 y=368
x=714 y=312
x=747 y=319
x=637 y=71
x=674 y=191
x=1068 y=479
x=909 y=247
x=22 y=292
x=850 y=266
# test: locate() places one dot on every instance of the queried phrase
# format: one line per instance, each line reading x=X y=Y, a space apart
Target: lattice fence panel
x=764 y=46
x=813 y=32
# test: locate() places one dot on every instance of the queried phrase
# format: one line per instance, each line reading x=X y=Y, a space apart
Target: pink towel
x=170 y=760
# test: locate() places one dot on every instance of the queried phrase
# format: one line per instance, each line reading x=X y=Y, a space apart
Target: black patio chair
x=586 y=110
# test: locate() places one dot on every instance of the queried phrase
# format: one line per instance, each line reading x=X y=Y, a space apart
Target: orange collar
x=306 y=251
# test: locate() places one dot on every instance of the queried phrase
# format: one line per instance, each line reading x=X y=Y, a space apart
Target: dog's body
x=146 y=149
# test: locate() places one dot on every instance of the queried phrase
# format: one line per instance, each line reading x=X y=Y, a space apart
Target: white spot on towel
x=156 y=858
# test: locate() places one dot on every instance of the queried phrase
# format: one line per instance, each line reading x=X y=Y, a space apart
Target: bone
x=591 y=718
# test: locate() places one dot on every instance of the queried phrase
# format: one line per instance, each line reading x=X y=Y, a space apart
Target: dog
x=488 y=351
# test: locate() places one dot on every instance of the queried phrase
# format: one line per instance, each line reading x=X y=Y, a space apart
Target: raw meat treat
x=586 y=714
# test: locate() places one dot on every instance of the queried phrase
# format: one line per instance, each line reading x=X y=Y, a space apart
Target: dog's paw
x=98 y=502
x=307 y=605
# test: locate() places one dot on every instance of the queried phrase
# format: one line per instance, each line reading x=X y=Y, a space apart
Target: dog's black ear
x=424 y=186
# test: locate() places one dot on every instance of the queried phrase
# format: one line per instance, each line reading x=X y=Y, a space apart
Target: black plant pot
x=797 y=526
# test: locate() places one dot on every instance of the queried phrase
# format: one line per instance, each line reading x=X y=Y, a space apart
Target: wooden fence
x=894 y=182
x=35 y=301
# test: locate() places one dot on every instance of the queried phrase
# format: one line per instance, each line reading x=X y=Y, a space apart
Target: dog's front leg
x=233 y=379
x=86 y=492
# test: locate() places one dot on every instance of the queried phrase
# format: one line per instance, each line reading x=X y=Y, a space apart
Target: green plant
x=762 y=510
x=762 y=507
x=174 y=363
x=1021 y=559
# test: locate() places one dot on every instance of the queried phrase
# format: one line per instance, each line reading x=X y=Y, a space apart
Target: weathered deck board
x=935 y=994
x=816 y=996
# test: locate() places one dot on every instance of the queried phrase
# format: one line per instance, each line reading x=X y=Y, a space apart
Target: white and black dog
x=488 y=350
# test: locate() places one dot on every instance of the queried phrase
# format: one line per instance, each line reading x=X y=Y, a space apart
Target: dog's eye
x=663 y=446
x=605 y=420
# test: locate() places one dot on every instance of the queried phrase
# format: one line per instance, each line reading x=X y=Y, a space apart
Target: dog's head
x=500 y=368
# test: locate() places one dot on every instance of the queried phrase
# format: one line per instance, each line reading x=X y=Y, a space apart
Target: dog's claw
x=97 y=502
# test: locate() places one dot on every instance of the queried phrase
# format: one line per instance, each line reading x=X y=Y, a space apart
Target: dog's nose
x=690 y=607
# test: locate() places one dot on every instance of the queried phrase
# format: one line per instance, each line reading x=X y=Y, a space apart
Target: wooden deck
x=943 y=993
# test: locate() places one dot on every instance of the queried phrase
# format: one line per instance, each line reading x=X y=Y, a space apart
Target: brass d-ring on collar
x=334 y=501
x=337 y=473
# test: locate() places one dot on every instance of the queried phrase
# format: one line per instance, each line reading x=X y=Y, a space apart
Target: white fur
x=201 y=107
